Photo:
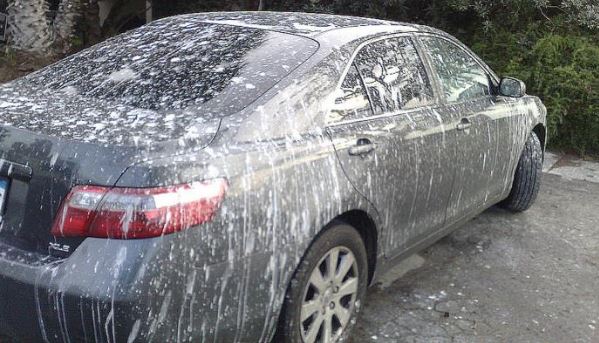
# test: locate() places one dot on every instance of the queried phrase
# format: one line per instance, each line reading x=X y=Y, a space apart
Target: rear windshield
x=180 y=63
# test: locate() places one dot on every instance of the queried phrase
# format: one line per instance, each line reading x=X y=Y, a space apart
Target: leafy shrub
x=565 y=72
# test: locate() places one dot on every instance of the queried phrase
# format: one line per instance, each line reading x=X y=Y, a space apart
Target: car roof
x=311 y=25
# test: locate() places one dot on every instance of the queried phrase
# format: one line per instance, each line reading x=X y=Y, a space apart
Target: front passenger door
x=466 y=90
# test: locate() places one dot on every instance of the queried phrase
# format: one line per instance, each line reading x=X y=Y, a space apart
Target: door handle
x=464 y=124
x=363 y=146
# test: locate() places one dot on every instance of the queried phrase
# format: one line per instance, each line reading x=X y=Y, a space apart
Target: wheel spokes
x=314 y=328
x=309 y=308
x=347 y=261
x=327 y=333
x=332 y=260
x=329 y=297
x=350 y=286
x=318 y=281
x=342 y=314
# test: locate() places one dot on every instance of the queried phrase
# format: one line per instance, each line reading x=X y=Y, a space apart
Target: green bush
x=563 y=70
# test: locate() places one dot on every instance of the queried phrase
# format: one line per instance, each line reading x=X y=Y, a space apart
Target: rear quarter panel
x=281 y=194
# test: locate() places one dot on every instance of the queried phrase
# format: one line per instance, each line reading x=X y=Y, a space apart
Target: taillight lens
x=125 y=213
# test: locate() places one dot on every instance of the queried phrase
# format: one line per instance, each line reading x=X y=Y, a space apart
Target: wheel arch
x=363 y=222
x=360 y=220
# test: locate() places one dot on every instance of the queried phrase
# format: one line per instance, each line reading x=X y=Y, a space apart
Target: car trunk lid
x=37 y=172
x=44 y=153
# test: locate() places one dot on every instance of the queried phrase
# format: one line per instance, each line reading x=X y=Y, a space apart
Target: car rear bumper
x=114 y=294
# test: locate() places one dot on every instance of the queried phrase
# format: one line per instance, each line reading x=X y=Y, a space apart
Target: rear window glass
x=180 y=63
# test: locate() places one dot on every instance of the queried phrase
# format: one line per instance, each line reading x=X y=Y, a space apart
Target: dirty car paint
x=282 y=142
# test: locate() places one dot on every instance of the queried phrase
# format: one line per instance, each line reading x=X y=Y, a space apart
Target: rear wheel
x=324 y=296
x=527 y=178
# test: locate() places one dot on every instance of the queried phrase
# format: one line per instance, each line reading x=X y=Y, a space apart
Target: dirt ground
x=503 y=277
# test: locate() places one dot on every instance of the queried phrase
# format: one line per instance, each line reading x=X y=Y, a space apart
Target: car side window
x=461 y=77
x=394 y=75
x=352 y=100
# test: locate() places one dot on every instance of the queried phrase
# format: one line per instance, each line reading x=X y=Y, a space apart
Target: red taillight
x=124 y=213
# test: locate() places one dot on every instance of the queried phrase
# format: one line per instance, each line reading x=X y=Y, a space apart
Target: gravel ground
x=503 y=277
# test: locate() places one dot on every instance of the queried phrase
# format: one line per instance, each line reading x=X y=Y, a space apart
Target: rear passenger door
x=466 y=89
x=392 y=142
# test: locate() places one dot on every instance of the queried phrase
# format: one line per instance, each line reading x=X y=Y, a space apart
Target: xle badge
x=59 y=247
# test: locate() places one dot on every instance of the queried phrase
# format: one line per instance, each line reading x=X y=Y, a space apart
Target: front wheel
x=527 y=178
x=324 y=296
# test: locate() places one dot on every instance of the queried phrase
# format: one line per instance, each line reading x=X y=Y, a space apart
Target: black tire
x=336 y=236
x=527 y=179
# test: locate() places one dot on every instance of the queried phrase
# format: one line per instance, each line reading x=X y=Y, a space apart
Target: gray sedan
x=243 y=177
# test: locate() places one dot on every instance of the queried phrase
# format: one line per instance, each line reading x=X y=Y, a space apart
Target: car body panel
x=406 y=180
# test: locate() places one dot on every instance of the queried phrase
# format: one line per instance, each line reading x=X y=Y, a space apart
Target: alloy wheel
x=329 y=297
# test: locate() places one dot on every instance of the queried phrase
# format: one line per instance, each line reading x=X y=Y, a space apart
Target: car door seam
x=328 y=133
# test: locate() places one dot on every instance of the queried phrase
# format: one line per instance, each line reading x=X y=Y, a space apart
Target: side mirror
x=512 y=87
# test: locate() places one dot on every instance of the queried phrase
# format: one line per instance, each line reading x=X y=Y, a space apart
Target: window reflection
x=352 y=100
x=394 y=75
x=462 y=78
x=180 y=63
